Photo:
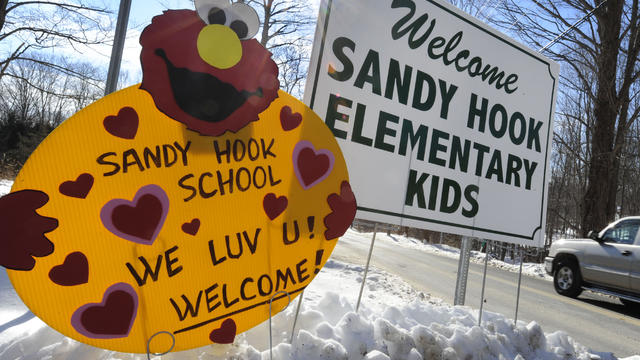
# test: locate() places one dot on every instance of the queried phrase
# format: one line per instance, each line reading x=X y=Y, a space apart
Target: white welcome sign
x=445 y=123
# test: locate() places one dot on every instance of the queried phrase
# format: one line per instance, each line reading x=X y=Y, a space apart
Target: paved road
x=598 y=322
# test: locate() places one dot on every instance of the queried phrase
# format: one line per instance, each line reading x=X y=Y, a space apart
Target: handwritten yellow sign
x=163 y=229
x=171 y=213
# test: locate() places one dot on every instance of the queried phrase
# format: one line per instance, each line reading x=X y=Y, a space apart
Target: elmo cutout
x=189 y=80
x=182 y=211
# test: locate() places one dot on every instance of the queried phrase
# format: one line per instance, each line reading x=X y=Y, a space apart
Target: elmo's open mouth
x=202 y=95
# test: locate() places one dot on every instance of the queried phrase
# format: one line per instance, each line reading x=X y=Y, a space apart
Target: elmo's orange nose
x=219 y=46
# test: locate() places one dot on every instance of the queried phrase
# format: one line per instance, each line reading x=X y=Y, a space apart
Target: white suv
x=606 y=262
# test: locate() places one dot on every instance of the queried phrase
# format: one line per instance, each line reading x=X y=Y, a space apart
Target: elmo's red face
x=205 y=75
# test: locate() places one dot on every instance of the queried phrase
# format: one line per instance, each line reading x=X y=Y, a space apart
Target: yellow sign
x=162 y=229
x=181 y=206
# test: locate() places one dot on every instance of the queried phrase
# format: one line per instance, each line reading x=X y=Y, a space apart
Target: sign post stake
x=515 y=321
x=463 y=271
x=118 y=44
x=271 y=316
x=366 y=269
x=484 y=280
x=295 y=319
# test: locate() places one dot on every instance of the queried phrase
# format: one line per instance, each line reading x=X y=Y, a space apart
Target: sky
x=141 y=13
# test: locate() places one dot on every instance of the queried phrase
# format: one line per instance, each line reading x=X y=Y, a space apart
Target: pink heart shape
x=112 y=318
x=311 y=166
x=139 y=220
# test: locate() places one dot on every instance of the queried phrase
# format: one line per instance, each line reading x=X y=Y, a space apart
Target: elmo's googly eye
x=244 y=21
x=213 y=11
x=241 y=18
x=216 y=16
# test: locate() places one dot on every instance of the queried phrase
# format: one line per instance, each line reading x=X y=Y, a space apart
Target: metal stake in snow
x=295 y=319
x=515 y=321
x=274 y=297
x=366 y=269
x=484 y=280
x=463 y=271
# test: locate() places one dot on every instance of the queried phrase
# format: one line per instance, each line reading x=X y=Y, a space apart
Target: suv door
x=634 y=275
x=609 y=262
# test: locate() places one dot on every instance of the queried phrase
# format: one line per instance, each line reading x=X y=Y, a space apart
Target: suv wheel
x=567 y=280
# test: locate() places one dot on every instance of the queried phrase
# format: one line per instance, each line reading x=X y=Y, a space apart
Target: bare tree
x=629 y=194
x=568 y=165
x=293 y=61
x=286 y=31
x=49 y=96
x=600 y=60
x=29 y=111
x=29 y=28
x=481 y=9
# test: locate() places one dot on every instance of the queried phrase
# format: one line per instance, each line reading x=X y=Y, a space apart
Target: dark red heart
x=343 y=211
x=288 y=119
x=311 y=166
x=139 y=220
x=274 y=206
x=124 y=125
x=192 y=227
x=225 y=334
x=111 y=318
x=73 y=271
x=79 y=188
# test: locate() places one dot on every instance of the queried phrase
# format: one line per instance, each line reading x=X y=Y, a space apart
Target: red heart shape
x=139 y=220
x=124 y=125
x=274 y=206
x=225 y=334
x=192 y=227
x=311 y=166
x=288 y=119
x=344 y=207
x=73 y=271
x=79 y=188
x=111 y=318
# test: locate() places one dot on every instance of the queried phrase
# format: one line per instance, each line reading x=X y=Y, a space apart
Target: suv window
x=623 y=233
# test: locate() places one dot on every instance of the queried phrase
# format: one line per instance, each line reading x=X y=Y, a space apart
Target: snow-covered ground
x=394 y=322
x=5 y=186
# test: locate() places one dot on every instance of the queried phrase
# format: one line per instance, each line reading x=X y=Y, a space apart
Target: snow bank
x=394 y=322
